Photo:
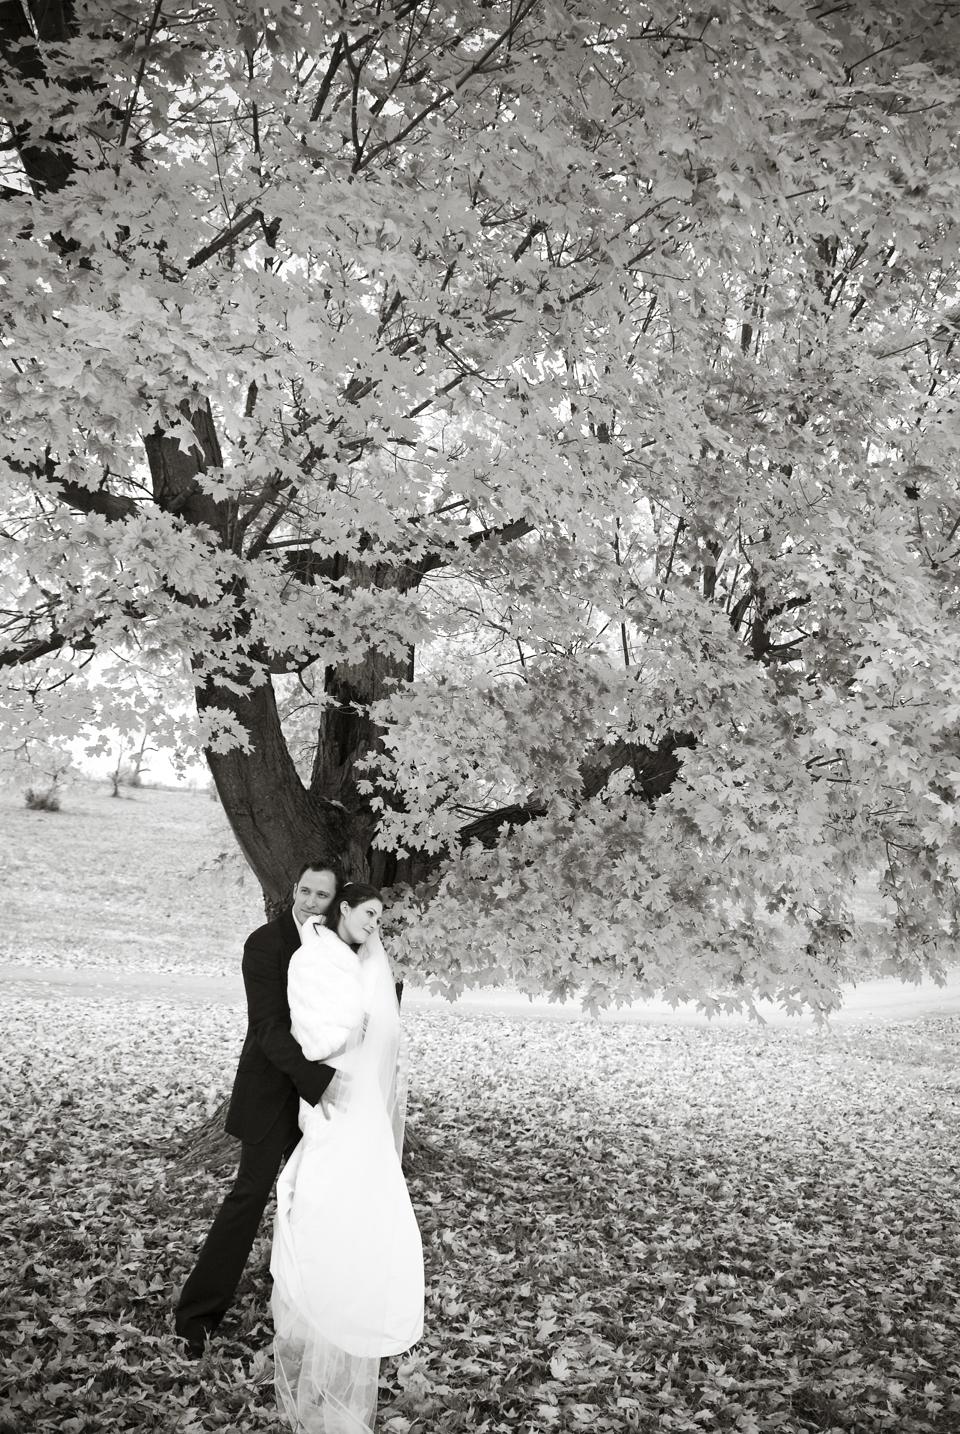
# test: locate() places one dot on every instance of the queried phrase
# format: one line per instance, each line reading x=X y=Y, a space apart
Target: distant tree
x=130 y=767
x=137 y=761
x=115 y=775
x=554 y=402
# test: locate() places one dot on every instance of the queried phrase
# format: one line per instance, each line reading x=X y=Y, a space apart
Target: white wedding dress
x=347 y=1260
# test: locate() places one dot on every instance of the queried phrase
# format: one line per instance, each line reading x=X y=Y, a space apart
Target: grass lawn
x=148 y=881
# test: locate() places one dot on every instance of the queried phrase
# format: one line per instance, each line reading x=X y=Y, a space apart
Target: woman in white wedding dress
x=347 y=1261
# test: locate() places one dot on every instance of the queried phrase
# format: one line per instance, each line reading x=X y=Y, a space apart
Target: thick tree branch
x=506 y=533
x=33 y=651
x=306 y=565
x=47 y=163
x=488 y=829
x=175 y=471
x=227 y=237
x=654 y=769
x=113 y=506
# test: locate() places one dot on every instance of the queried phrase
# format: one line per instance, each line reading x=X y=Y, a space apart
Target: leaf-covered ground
x=625 y=1227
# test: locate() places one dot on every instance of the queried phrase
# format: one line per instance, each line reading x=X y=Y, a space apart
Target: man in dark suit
x=272 y=1076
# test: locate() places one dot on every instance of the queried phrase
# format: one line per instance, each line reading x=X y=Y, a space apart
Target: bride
x=347 y=1262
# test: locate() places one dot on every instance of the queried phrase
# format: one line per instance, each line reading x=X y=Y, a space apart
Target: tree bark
x=46 y=158
x=208 y=1147
x=278 y=824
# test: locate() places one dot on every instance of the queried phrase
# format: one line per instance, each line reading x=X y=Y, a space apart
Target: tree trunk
x=209 y=1147
x=346 y=735
x=278 y=824
x=206 y=1147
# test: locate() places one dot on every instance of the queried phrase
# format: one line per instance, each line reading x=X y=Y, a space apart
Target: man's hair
x=332 y=864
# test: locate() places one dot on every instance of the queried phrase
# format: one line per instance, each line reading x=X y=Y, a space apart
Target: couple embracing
x=318 y=1092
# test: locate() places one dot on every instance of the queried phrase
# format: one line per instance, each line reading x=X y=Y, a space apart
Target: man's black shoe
x=192 y=1339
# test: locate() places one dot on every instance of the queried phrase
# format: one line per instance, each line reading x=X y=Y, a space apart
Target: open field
x=147 y=881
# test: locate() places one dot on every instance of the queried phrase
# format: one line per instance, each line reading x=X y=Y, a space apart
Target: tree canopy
x=528 y=429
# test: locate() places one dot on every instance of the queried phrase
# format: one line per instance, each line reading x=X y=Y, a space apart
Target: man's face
x=313 y=893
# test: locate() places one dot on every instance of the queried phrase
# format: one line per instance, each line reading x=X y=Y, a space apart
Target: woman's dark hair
x=355 y=893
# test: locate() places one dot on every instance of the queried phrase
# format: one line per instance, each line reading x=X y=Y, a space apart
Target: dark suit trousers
x=209 y=1290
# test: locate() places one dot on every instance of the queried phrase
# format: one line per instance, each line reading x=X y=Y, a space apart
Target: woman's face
x=359 y=922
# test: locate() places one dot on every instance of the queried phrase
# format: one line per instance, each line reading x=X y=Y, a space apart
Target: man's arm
x=265 y=984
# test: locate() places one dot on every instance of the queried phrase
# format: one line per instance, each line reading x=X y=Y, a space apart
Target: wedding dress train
x=347 y=1260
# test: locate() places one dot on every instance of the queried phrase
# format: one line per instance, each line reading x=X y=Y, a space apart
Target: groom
x=272 y=1076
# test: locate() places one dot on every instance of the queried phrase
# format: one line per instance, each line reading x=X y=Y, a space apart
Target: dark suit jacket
x=273 y=1072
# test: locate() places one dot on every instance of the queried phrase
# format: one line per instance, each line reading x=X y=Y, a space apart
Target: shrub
x=42 y=801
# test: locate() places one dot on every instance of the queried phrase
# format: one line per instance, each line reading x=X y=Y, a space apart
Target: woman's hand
x=356 y=1036
x=335 y=1096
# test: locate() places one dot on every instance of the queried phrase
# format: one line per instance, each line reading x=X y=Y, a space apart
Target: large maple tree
x=527 y=428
